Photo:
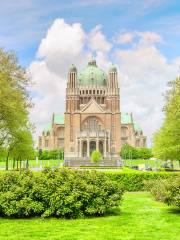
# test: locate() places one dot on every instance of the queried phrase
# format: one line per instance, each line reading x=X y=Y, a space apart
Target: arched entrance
x=92 y=146
x=101 y=147
x=84 y=149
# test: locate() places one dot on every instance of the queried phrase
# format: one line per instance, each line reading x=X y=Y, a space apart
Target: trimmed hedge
x=166 y=190
x=60 y=193
x=135 y=181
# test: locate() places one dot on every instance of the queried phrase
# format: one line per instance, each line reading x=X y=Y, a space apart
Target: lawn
x=140 y=218
x=149 y=162
x=35 y=164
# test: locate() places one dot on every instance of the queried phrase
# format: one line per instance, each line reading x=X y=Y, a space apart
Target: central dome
x=92 y=75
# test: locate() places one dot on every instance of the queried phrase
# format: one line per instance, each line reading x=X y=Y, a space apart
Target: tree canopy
x=14 y=104
x=129 y=152
x=166 y=142
x=14 y=97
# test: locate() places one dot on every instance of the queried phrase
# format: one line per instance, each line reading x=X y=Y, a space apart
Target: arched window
x=92 y=124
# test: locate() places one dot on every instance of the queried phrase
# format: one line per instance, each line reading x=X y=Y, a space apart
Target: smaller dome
x=113 y=68
x=92 y=62
x=72 y=68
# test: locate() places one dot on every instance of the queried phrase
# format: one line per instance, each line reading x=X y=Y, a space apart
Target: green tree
x=128 y=152
x=144 y=153
x=22 y=147
x=14 y=100
x=166 y=142
x=51 y=154
x=96 y=157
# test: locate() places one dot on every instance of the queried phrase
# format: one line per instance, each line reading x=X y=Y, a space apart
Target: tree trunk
x=14 y=162
x=27 y=163
x=20 y=163
x=172 y=166
x=17 y=163
x=7 y=161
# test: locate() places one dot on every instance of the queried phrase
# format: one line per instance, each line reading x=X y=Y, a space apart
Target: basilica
x=92 y=119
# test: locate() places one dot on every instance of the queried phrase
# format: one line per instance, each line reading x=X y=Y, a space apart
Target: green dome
x=92 y=75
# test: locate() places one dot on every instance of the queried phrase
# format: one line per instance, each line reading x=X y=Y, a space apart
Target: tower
x=113 y=105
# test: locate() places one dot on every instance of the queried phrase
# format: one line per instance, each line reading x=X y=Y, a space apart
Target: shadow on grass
x=174 y=210
x=113 y=212
x=116 y=211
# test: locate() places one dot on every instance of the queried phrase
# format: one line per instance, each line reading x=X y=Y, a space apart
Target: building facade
x=52 y=137
x=92 y=120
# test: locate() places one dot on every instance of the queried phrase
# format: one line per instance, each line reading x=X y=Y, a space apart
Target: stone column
x=97 y=144
x=88 y=148
x=80 y=148
x=104 y=147
x=109 y=143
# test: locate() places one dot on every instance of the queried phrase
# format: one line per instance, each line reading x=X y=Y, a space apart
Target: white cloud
x=97 y=40
x=149 y=37
x=143 y=71
x=144 y=76
x=62 y=45
x=142 y=38
x=62 y=38
x=124 y=38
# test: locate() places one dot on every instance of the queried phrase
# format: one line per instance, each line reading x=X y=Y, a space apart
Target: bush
x=135 y=180
x=60 y=193
x=166 y=190
x=96 y=157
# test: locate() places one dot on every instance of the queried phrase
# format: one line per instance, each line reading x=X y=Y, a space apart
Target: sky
x=140 y=37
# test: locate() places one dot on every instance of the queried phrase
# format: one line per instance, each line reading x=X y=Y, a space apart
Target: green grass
x=140 y=218
x=34 y=164
x=149 y=162
x=56 y=163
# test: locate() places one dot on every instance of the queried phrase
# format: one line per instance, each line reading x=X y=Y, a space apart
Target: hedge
x=166 y=190
x=60 y=193
x=135 y=181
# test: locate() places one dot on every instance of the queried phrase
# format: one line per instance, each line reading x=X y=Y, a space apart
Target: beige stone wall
x=129 y=136
x=52 y=140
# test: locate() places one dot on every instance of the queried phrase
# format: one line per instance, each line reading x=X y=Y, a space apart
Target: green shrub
x=96 y=157
x=166 y=190
x=60 y=193
x=135 y=180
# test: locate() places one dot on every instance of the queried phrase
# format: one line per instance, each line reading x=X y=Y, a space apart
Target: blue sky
x=23 y=23
x=141 y=37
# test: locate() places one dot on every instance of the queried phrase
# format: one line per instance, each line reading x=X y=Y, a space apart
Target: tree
x=128 y=152
x=51 y=154
x=22 y=147
x=166 y=142
x=14 y=100
x=96 y=157
x=144 y=153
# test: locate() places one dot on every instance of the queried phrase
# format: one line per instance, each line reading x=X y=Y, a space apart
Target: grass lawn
x=56 y=163
x=149 y=162
x=140 y=217
x=34 y=164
